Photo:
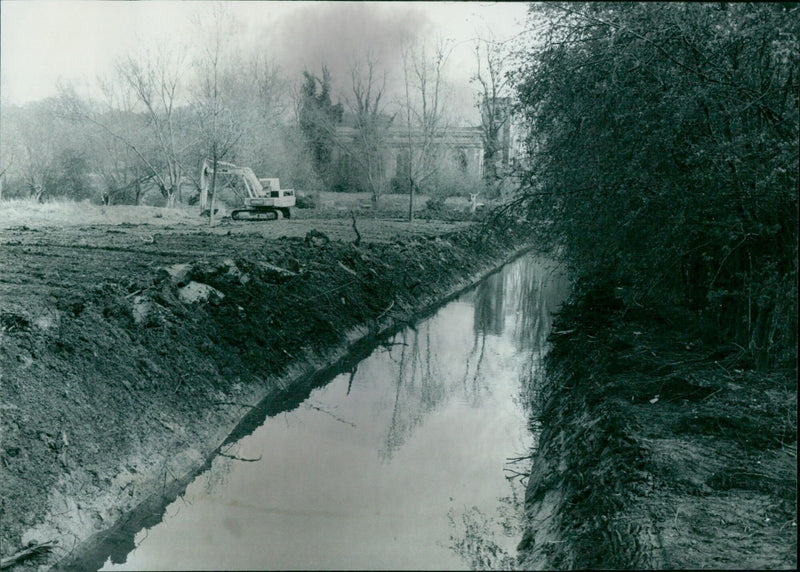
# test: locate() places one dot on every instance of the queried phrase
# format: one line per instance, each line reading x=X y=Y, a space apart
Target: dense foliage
x=663 y=155
x=318 y=116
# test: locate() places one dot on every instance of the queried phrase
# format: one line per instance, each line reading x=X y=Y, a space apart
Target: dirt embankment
x=129 y=352
x=658 y=451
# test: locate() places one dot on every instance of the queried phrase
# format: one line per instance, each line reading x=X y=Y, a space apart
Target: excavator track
x=255 y=214
x=260 y=214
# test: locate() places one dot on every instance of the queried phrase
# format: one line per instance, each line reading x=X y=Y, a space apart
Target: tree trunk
x=213 y=201
x=178 y=187
x=38 y=192
x=410 y=199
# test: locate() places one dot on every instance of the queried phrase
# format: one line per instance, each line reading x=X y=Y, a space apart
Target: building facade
x=459 y=150
x=462 y=146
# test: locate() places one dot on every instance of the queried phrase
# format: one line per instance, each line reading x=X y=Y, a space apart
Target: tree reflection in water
x=419 y=388
x=535 y=291
x=474 y=536
x=530 y=292
x=490 y=317
x=526 y=293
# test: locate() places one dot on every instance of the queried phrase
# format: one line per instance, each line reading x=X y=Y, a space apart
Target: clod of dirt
x=234 y=272
x=275 y=274
x=141 y=310
x=205 y=270
x=316 y=238
x=199 y=292
x=178 y=274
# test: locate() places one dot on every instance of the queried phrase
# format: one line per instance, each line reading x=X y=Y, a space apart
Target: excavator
x=265 y=199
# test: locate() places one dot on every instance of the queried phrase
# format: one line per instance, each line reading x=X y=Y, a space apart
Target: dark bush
x=306 y=201
x=663 y=152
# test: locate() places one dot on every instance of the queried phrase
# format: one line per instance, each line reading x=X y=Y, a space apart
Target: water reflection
x=398 y=463
x=530 y=291
x=482 y=540
x=490 y=317
x=527 y=293
x=418 y=387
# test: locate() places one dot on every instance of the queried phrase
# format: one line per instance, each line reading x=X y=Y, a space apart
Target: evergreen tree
x=318 y=118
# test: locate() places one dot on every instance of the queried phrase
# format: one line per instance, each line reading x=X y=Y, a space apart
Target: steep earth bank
x=128 y=358
x=657 y=451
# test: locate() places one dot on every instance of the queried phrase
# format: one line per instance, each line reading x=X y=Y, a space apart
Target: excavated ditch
x=121 y=386
x=389 y=458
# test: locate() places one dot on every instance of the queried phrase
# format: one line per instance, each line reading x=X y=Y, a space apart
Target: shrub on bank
x=664 y=156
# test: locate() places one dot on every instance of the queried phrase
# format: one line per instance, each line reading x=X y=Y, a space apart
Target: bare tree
x=2 y=180
x=154 y=81
x=124 y=175
x=270 y=89
x=257 y=95
x=426 y=121
x=371 y=125
x=145 y=84
x=6 y=144
x=37 y=149
x=6 y=161
x=51 y=157
x=490 y=76
x=219 y=128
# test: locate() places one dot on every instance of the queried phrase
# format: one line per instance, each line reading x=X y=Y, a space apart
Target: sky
x=44 y=42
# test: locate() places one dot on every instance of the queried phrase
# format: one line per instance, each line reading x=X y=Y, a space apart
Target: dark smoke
x=338 y=33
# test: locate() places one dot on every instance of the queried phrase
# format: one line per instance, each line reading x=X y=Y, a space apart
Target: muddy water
x=406 y=461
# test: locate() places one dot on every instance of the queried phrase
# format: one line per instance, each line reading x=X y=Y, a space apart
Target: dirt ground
x=133 y=339
x=657 y=451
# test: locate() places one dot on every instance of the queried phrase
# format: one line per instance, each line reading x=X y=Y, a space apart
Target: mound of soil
x=128 y=360
x=658 y=451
